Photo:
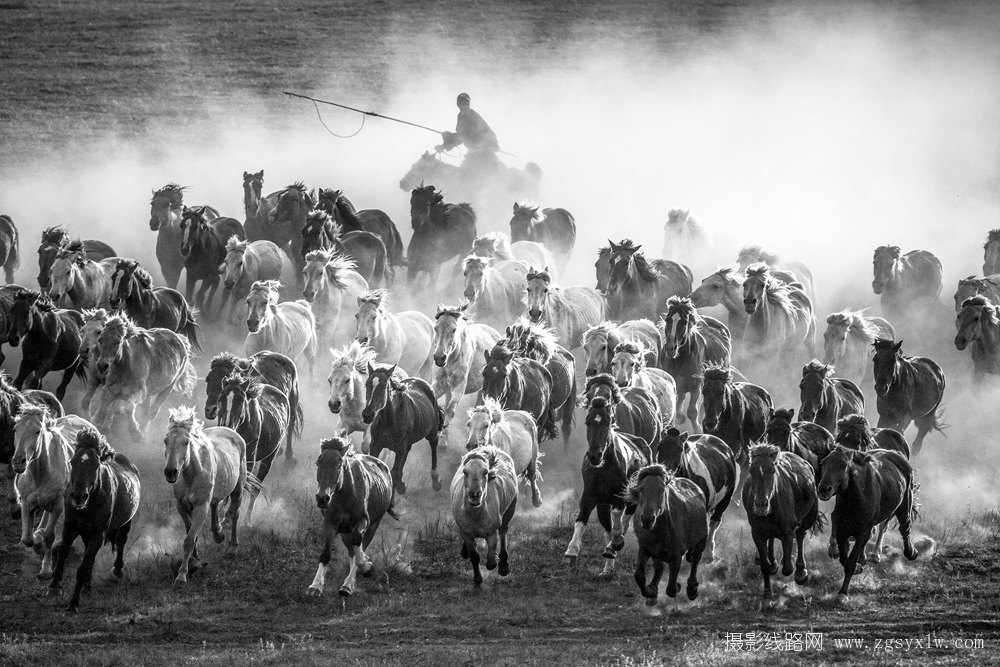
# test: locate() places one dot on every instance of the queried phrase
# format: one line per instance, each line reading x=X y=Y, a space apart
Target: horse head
x=221 y=367
x=671 y=447
x=719 y=287
x=330 y=469
x=231 y=268
x=370 y=315
x=779 y=427
x=253 y=187
x=887 y=353
x=448 y=322
x=482 y=418
x=884 y=267
x=763 y=478
x=602 y=269
x=121 y=282
x=835 y=470
x=600 y=420
x=521 y=222
x=537 y=293
x=620 y=264
x=424 y=199
x=166 y=205
x=263 y=297
x=812 y=389
x=647 y=490
x=758 y=279
x=677 y=323
x=715 y=388
x=65 y=267
x=183 y=428
x=599 y=343
x=32 y=430
x=854 y=432
x=497 y=370
x=474 y=271
x=234 y=400
x=377 y=388
x=293 y=205
x=349 y=365
x=478 y=467
x=193 y=225
x=991 y=253
x=53 y=238
x=976 y=314
x=21 y=315
x=85 y=467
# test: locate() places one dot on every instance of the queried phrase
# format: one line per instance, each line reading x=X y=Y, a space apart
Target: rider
x=472 y=131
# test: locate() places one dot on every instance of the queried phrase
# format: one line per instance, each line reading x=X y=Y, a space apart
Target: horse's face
x=191 y=225
x=753 y=293
x=164 y=210
x=369 y=320
x=213 y=388
x=715 y=400
x=676 y=328
x=600 y=418
x=520 y=227
x=419 y=171
x=811 y=394
x=476 y=474
x=233 y=402
x=652 y=499
x=537 y=298
x=602 y=267
x=110 y=347
x=293 y=205
x=595 y=351
x=313 y=279
x=91 y=332
x=314 y=236
x=763 y=481
x=884 y=362
x=377 y=389
x=422 y=201
x=62 y=275
x=835 y=341
x=969 y=323
x=259 y=304
x=779 y=429
x=341 y=381
x=177 y=450
x=121 y=286
x=46 y=256
x=711 y=292
x=991 y=257
x=253 y=185
x=883 y=268
x=966 y=288
x=232 y=267
x=479 y=425
x=31 y=432
x=620 y=266
x=623 y=368
x=835 y=472
x=475 y=276
x=20 y=317
x=445 y=337
x=495 y=374
x=84 y=474
x=329 y=476
x=671 y=448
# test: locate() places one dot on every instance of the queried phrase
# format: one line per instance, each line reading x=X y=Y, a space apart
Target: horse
x=458 y=343
x=262 y=416
x=371 y=220
x=441 y=231
x=11 y=401
x=245 y=263
x=205 y=466
x=257 y=209
x=569 y=311
x=554 y=228
x=780 y=315
x=848 y=338
x=988 y=286
x=979 y=326
x=7 y=294
x=329 y=283
x=132 y=291
x=288 y=328
x=10 y=247
x=708 y=462
x=403 y=338
x=203 y=246
x=286 y=221
x=854 y=432
x=272 y=368
x=320 y=232
x=520 y=383
x=400 y=413
x=102 y=498
x=907 y=389
x=348 y=374
x=483 y=501
x=690 y=342
x=42 y=451
x=826 y=399
x=55 y=238
x=354 y=492
x=636 y=410
x=140 y=366
x=724 y=288
x=787 y=272
x=737 y=412
x=628 y=367
x=871 y=488
x=685 y=240
x=991 y=253
x=512 y=432
x=601 y=340
x=637 y=288
x=611 y=459
x=669 y=525
x=498 y=247
x=495 y=288
x=93 y=325
x=906 y=282
x=166 y=209
x=79 y=282
x=810 y=441
x=50 y=340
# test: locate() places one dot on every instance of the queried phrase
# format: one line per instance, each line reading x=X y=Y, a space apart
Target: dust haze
x=816 y=135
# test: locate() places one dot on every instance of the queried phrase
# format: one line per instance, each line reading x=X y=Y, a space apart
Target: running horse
x=10 y=247
x=637 y=288
x=78 y=282
x=166 y=209
x=286 y=220
x=724 y=288
x=979 y=327
x=348 y=374
x=203 y=246
x=496 y=288
x=457 y=346
x=288 y=327
x=826 y=399
x=991 y=253
x=257 y=208
x=601 y=340
x=569 y=311
x=332 y=287
x=398 y=338
x=554 y=228
x=780 y=316
x=55 y=238
x=635 y=410
x=520 y=383
x=629 y=369
x=441 y=231
x=51 y=339
x=367 y=250
x=907 y=389
x=988 y=286
x=848 y=339
x=737 y=412
x=133 y=293
x=685 y=240
x=906 y=283
x=371 y=220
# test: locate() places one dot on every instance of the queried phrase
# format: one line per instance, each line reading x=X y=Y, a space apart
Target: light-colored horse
x=685 y=239
x=93 y=324
x=787 y=272
x=247 y=262
x=403 y=338
x=348 y=374
x=288 y=328
x=140 y=366
x=43 y=447
x=510 y=431
x=988 y=286
x=599 y=343
x=847 y=341
x=206 y=466
x=780 y=316
x=495 y=288
x=459 y=346
x=724 y=288
x=569 y=311
x=330 y=283
x=628 y=367
x=497 y=246
x=79 y=282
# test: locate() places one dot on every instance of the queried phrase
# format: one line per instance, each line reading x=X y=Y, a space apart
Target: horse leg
x=694 y=557
x=604 y=517
x=617 y=542
x=93 y=543
x=233 y=516
x=876 y=556
x=397 y=470
x=432 y=439
x=904 y=515
x=347 y=588
x=61 y=553
x=66 y=378
x=801 y=573
x=27 y=521
x=492 y=540
x=154 y=408
x=587 y=505
x=120 y=538
x=470 y=551
x=765 y=564
x=22 y=375
x=715 y=520
x=197 y=519
x=531 y=473
x=55 y=524
x=189 y=284
x=851 y=561
x=214 y=524
x=925 y=424
x=504 y=568
x=787 y=542
x=642 y=558
x=326 y=534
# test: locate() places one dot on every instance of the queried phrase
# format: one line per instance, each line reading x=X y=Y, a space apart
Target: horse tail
x=82 y=362
x=252 y=484
x=819 y=523
x=397 y=243
x=937 y=424
x=548 y=430
x=440 y=415
x=190 y=327
x=296 y=417
x=14 y=253
x=914 y=505
x=187 y=378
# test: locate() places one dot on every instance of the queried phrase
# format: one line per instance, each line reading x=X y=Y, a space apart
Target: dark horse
x=271 y=368
x=286 y=220
x=53 y=239
x=203 y=246
x=10 y=247
x=612 y=458
x=257 y=209
x=52 y=341
x=320 y=232
x=906 y=282
x=520 y=383
x=441 y=231
x=401 y=412
x=781 y=502
x=825 y=399
x=637 y=288
x=132 y=291
x=635 y=409
x=991 y=253
x=371 y=220
x=554 y=228
x=737 y=412
x=810 y=441
x=102 y=498
x=908 y=389
x=690 y=342
x=165 y=210
x=854 y=432
x=871 y=488
x=11 y=401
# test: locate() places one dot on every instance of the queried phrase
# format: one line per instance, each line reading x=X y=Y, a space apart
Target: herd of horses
x=676 y=431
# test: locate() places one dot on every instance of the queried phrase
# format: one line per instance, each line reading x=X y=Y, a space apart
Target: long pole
x=361 y=111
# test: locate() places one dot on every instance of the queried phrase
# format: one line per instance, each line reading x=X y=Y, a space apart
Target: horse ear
x=546 y=269
x=516 y=207
x=260 y=174
x=371 y=369
x=508 y=331
x=392 y=370
x=360 y=301
x=897 y=346
x=246 y=175
x=683 y=436
x=222 y=268
x=440 y=308
x=486 y=353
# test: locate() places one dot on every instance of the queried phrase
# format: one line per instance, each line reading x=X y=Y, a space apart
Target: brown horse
x=639 y=289
x=906 y=282
x=978 y=325
x=737 y=412
x=554 y=228
x=988 y=286
x=441 y=231
x=825 y=399
x=908 y=389
x=53 y=240
x=165 y=211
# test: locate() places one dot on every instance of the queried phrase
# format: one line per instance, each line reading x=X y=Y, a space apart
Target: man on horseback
x=475 y=134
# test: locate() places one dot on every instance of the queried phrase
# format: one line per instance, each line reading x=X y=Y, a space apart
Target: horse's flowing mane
x=645 y=269
x=234 y=243
x=171 y=190
x=121 y=324
x=74 y=247
x=892 y=250
x=31 y=410
x=353 y=355
x=54 y=235
x=244 y=382
x=490 y=407
x=342 y=446
x=185 y=417
x=143 y=278
x=476 y=262
x=634 y=348
x=337 y=266
x=883 y=344
x=90 y=438
x=763 y=449
x=682 y=306
x=604 y=253
x=605 y=380
x=993 y=235
x=778 y=293
x=501 y=353
x=458 y=312
x=980 y=301
x=858 y=325
x=854 y=432
x=817 y=366
x=534 y=339
x=228 y=360
x=542 y=275
x=654 y=470
x=752 y=254
x=269 y=286
x=525 y=210
x=92 y=314
x=716 y=373
x=377 y=297
x=495 y=244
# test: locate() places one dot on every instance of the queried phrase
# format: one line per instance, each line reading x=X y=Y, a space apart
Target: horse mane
x=778 y=293
x=883 y=344
x=763 y=449
x=30 y=409
x=71 y=248
x=319 y=256
x=187 y=416
x=354 y=354
x=389 y=369
x=298 y=186
x=338 y=265
x=143 y=278
x=604 y=379
x=495 y=243
x=234 y=243
x=54 y=235
x=980 y=301
x=502 y=352
x=642 y=265
x=226 y=359
x=858 y=429
x=634 y=348
x=680 y=216
x=893 y=250
x=539 y=275
x=317 y=217
x=858 y=325
x=90 y=438
x=783 y=414
x=249 y=384
x=458 y=312
x=728 y=273
x=270 y=286
x=476 y=261
x=653 y=470
x=170 y=190
x=717 y=373
x=817 y=366
x=603 y=253
x=682 y=305
x=377 y=297
x=605 y=329
x=92 y=314
x=758 y=254
x=345 y=211
x=337 y=444
x=525 y=210
x=121 y=322
x=993 y=235
x=490 y=407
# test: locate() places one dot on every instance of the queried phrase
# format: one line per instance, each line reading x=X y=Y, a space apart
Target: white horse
x=459 y=347
x=511 y=431
x=288 y=328
x=495 y=288
x=628 y=367
x=78 y=282
x=330 y=282
x=247 y=262
x=93 y=324
x=497 y=246
x=403 y=338
x=569 y=311
x=685 y=240
x=348 y=374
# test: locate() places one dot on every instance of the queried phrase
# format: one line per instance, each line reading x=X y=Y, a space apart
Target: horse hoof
x=843 y=598
x=536 y=501
x=43 y=576
x=504 y=569
x=692 y=591
x=650 y=602
x=72 y=609
x=672 y=590
x=774 y=568
x=910 y=553
x=786 y=570
x=491 y=565
x=369 y=573
x=477 y=581
x=571 y=560
x=801 y=577
x=400 y=488
x=117 y=572
x=314 y=591
x=833 y=551
x=345 y=592
x=610 y=553
x=219 y=537
x=180 y=582
x=858 y=569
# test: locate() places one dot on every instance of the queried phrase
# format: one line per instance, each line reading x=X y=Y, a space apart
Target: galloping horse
x=512 y=432
x=287 y=219
x=601 y=340
x=369 y=253
x=366 y=220
x=520 y=383
x=132 y=291
x=569 y=311
x=988 y=286
x=165 y=212
x=330 y=285
x=79 y=282
x=257 y=209
x=737 y=412
x=203 y=246
x=554 y=228
x=458 y=345
x=810 y=441
x=50 y=339
x=11 y=401
x=54 y=239
x=629 y=369
x=637 y=288
x=245 y=263
x=848 y=339
x=854 y=432
x=908 y=389
x=780 y=316
x=725 y=288
x=979 y=325
x=398 y=338
x=10 y=247
x=498 y=247
x=906 y=282
x=288 y=328
x=826 y=399
x=684 y=239
x=786 y=272
x=348 y=374
x=635 y=410
x=441 y=231
x=495 y=288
